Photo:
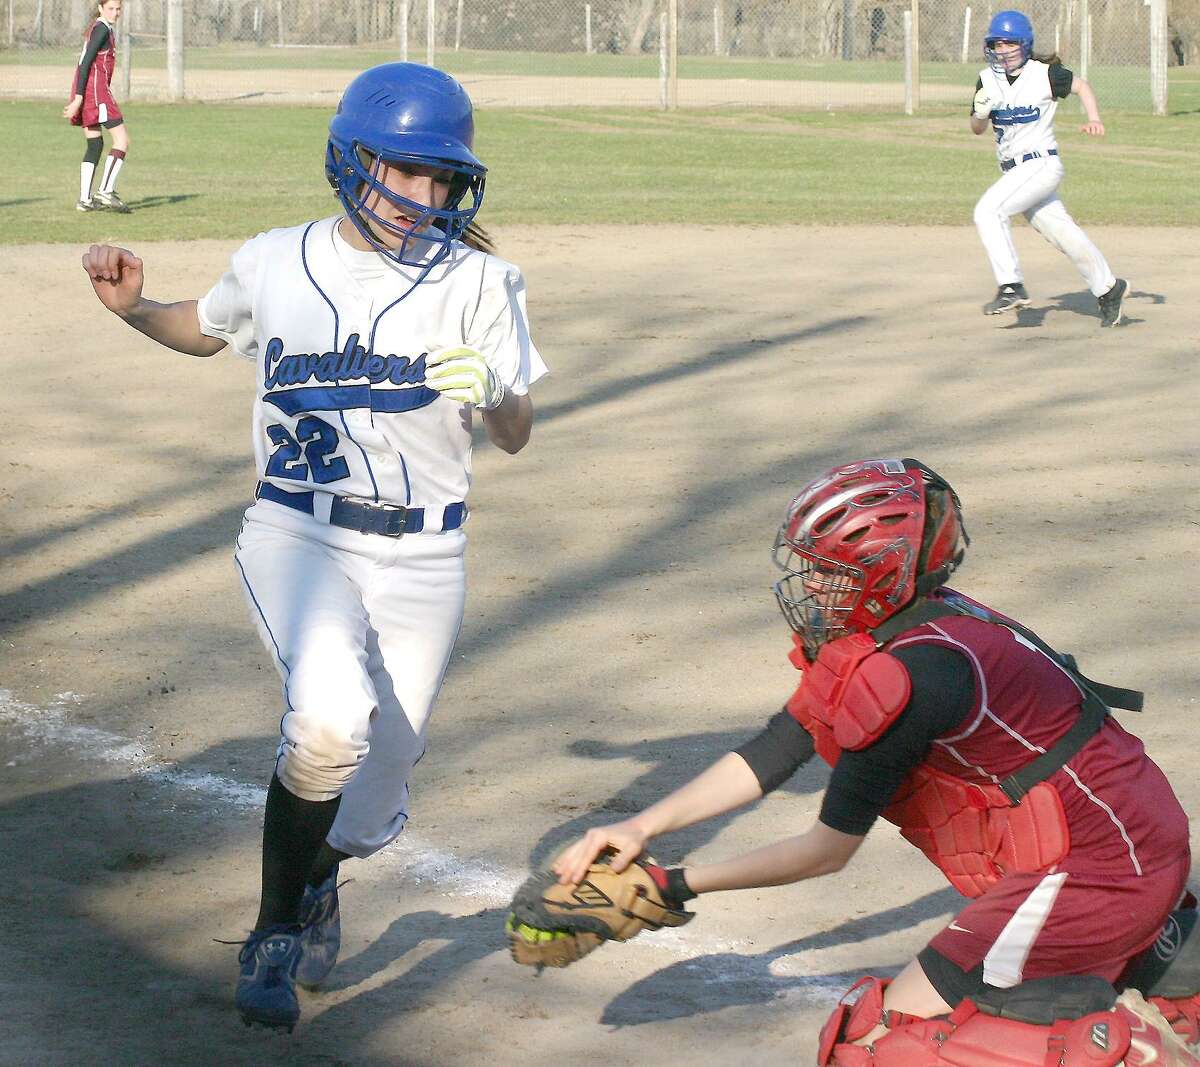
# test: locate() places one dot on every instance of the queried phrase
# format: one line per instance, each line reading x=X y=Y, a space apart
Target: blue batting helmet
x=405 y=113
x=1007 y=26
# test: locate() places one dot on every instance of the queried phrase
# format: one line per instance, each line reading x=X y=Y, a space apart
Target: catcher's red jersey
x=1128 y=858
x=1122 y=814
x=99 y=106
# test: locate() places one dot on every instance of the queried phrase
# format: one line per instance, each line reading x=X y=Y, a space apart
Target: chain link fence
x=797 y=53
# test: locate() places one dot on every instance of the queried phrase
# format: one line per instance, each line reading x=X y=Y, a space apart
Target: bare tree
x=635 y=21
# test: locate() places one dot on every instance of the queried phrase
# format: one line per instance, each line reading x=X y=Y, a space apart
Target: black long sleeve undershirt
x=864 y=782
x=96 y=41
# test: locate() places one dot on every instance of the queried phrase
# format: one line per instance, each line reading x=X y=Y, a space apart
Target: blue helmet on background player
x=1007 y=26
x=405 y=113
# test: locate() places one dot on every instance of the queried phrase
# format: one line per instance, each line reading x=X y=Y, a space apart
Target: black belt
x=1008 y=164
x=388 y=520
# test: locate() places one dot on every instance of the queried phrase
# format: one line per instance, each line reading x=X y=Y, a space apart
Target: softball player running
x=1018 y=93
x=93 y=107
x=375 y=335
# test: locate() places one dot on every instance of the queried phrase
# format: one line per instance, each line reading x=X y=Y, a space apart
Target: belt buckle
x=395 y=518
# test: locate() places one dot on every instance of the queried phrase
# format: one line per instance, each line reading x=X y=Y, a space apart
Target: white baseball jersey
x=1024 y=126
x=339 y=338
x=1023 y=121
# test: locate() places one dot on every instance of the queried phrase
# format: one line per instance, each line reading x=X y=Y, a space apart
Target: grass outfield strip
x=228 y=171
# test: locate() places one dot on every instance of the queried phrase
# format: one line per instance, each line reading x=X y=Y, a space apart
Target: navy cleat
x=1110 y=304
x=111 y=202
x=320 y=933
x=1008 y=298
x=266 y=986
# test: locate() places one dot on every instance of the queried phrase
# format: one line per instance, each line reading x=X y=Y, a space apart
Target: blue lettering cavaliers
x=1015 y=116
x=350 y=364
x=285 y=375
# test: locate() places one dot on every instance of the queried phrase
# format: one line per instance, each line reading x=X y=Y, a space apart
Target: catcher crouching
x=992 y=753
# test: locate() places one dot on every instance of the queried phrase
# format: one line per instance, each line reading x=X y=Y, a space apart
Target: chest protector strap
x=1098 y=698
x=850 y=695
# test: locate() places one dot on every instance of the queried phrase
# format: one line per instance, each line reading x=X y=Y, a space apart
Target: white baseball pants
x=1031 y=189
x=361 y=628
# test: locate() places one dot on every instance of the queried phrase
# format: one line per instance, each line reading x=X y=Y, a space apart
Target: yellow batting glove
x=462 y=374
x=984 y=105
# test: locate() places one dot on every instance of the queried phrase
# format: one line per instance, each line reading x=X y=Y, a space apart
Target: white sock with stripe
x=112 y=167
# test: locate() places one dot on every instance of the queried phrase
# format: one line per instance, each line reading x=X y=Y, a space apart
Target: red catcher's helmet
x=861 y=542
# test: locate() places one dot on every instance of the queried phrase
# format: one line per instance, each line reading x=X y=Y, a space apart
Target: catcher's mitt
x=553 y=925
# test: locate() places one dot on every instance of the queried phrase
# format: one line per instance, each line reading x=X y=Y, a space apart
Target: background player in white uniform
x=374 y=335
x=1018 y=95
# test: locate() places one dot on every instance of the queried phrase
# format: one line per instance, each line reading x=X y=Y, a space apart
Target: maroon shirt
x=97 y=61
x=1121 y=811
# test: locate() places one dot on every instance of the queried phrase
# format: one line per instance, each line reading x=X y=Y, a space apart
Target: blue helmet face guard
x=355 y=172
x=405 y=115
x=1011 y=26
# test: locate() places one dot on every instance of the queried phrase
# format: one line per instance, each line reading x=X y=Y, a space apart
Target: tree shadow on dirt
x=130 y=562
x=669 y=761
x=467 y=939
x=725 y=979
x=690 y=987
x=109 y=899
x=712 y=359
x=100 y=860
x=1082 y=304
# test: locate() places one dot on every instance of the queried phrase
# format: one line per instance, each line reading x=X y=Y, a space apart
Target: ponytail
x=478 y=238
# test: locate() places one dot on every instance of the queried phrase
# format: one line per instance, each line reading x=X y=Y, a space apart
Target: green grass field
x=227 y=171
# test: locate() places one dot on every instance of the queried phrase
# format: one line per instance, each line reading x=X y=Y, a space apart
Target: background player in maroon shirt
x=93 y=107
x=988 y=749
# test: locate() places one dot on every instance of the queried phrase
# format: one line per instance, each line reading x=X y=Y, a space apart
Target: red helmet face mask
x=860 y=543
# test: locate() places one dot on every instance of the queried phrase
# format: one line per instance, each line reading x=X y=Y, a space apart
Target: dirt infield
x=490 y=90
x=620 y=634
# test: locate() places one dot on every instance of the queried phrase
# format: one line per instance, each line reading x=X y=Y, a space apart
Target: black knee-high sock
x=293 y=832
x=328 y=858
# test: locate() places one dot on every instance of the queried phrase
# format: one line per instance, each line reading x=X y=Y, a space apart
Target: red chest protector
x=850 y=696
x=971 y=831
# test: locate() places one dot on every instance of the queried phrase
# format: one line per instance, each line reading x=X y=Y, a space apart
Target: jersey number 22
x=316 y=440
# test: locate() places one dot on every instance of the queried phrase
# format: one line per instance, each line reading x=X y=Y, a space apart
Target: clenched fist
x=116 y=275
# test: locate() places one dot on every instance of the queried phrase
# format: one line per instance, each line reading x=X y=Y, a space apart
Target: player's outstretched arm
x=727 y=784
x=822 y=850
x=116 y=276
x=1087 y=96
